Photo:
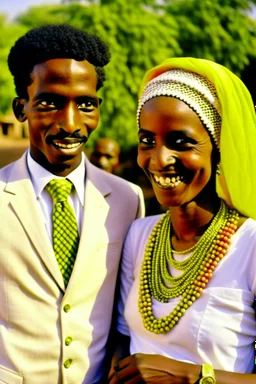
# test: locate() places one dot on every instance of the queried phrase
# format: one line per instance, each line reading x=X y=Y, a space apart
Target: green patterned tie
x=64 y=226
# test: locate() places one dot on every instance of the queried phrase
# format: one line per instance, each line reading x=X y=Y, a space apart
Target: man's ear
x=18 y=109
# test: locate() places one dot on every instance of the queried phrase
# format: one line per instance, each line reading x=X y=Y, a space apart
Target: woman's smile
x=171 y=181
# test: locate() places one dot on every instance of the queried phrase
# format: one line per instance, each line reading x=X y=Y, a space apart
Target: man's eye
x=47 y=103
x=87 y=105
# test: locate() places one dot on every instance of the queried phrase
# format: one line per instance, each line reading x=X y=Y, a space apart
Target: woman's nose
x=163 y=157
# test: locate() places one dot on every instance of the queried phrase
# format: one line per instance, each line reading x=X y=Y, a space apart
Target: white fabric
x=219 y=328
x=40 y=177
x=37 y=312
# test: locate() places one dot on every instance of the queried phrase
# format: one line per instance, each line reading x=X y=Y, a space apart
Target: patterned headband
x=194 y=90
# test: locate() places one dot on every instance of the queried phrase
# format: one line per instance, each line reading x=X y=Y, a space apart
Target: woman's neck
x=189 y=222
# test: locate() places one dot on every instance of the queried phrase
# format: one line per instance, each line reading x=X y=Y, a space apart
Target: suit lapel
x=95 y=214
x=27 y=210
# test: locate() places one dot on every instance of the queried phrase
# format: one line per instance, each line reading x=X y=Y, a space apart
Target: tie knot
x=59 y=189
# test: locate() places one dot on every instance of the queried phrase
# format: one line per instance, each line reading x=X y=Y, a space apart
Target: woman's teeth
x=168 y=182
x=67 y=146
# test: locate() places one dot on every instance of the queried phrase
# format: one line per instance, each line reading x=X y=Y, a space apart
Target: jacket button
x=68 y=340
x=67 y=363
x=67 y=308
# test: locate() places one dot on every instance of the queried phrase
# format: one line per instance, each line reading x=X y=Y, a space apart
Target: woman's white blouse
x=219 y=328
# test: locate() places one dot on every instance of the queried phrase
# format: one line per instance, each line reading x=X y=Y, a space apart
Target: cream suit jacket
x=49 y=334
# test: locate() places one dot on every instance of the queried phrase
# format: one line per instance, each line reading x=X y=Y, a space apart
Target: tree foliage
x=8 y=35
x=219 y=30
x=141 y=34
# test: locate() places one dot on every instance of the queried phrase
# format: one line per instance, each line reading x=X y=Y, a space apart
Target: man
x=105 y=154
x=57 y=284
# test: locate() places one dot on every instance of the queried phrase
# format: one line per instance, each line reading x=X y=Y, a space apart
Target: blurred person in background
x=105 y=154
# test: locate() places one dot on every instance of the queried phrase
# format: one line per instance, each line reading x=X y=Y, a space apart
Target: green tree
x=8 y=35
x=219 y=30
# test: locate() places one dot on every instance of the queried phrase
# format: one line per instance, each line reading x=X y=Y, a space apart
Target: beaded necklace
x=156 y=281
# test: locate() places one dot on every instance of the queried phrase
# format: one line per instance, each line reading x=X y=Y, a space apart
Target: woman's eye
x=182 y=144
x=183 y=141
x=180 y=141
x=147 y=140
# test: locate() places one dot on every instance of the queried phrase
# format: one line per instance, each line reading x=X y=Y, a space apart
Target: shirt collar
x=40 y=177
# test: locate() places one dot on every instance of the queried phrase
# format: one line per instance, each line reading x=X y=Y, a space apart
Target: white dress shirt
x=40 y=177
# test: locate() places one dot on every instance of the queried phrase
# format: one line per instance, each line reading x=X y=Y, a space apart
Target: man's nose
x=71 y=118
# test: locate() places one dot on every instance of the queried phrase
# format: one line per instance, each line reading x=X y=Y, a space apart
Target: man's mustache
x=65 y=135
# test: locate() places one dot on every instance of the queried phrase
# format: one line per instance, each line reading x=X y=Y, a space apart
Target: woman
x=188 y=278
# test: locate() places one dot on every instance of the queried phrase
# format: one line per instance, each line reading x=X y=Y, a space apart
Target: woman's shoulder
x=137 y=238
x=146 y=222
x=141 y=228
x=241 y=221
x=246 y=228
x=247 y=222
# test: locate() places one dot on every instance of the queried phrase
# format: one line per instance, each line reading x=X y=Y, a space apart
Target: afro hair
x=55 y=41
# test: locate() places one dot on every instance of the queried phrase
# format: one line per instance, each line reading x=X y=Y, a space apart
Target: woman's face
x=175 y=151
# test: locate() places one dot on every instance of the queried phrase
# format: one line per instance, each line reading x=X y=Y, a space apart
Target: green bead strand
x=156 y=281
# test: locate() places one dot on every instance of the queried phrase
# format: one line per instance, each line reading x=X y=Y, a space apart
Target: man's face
x=106 y=155
x=62 y=110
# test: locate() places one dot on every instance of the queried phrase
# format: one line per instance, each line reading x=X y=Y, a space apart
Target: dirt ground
x=11 y=150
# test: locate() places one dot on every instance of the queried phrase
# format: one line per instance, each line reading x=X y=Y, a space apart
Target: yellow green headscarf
x=237 y=182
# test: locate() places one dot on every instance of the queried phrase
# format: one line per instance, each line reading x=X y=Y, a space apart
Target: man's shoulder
x=13 y=172
x=115 y=179
x=5 y=171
